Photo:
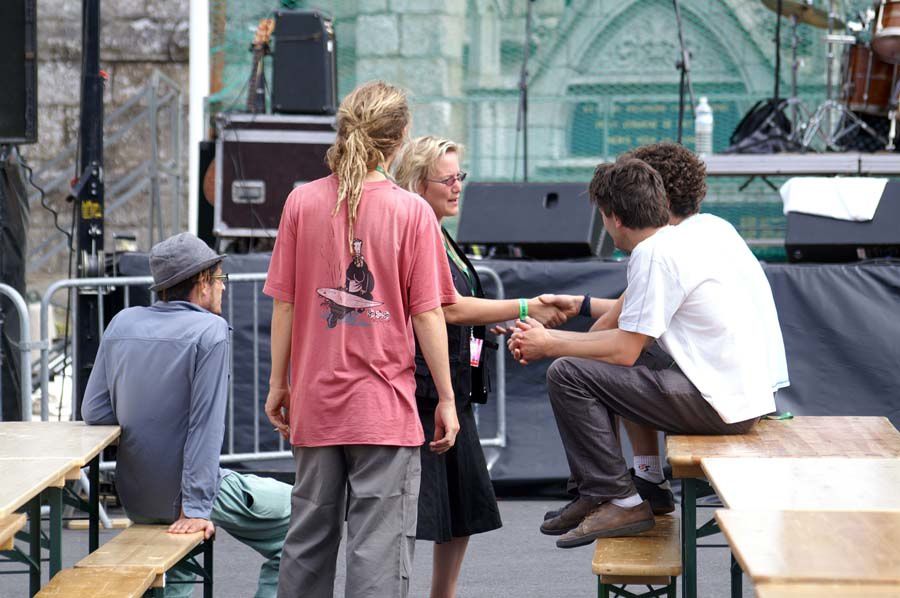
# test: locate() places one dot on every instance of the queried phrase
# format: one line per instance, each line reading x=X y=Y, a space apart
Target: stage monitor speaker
x=820 y=239
x=206 y=196
x=18 y=71
x=544 y=220
x=304 y=68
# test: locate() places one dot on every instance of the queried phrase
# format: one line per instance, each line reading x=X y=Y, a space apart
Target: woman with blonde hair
x=456 y=498
x=357 y=268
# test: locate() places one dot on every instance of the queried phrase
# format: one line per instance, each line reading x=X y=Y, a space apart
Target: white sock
x=628 y=502
x=649 y=467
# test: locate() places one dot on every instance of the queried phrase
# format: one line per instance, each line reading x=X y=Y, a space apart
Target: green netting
x=602 y=78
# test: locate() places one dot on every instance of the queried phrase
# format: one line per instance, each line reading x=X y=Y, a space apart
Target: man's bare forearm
x=610 y=318
x=282 y=325
x=612 y=346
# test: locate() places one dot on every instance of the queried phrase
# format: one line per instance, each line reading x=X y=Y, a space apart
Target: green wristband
x=523 y=309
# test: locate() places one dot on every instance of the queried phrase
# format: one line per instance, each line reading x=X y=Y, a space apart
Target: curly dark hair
x=682 y=172
x=631 y=190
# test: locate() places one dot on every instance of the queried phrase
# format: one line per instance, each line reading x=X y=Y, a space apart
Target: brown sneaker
x=571 y=515
x=608 y=521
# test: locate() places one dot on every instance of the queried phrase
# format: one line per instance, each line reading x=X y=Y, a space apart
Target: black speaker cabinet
x=304 y=71
x=545 y=220
x=259 y=160
x=18 y=71
x=820 y=239
x=205 y=207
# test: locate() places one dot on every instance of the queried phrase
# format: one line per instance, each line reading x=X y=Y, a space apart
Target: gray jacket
x=161 y=373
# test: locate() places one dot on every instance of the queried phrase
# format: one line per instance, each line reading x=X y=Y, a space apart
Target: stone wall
x=137 y=38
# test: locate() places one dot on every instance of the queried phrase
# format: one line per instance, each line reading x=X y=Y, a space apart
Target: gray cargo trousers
x=586 y=395
x=377 y=489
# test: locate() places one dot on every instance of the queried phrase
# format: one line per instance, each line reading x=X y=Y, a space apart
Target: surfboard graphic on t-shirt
x=355 y=297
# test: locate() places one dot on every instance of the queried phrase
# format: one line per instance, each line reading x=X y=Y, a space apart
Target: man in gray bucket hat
x=161 y=373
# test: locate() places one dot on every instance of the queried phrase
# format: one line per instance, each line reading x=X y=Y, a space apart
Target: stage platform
x=827 y=164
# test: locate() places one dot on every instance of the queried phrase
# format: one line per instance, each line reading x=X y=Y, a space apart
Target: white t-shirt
x=697 y=288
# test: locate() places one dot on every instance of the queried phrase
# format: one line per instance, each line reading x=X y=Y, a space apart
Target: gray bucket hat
x=178 y=258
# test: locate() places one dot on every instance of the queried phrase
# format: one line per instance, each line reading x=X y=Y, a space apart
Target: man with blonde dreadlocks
x=342 y=386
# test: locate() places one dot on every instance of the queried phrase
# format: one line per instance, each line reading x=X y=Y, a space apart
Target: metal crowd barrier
x=25 y=347
x=102 y=286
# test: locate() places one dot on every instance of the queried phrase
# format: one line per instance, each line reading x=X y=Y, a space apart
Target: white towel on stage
x=844 y=198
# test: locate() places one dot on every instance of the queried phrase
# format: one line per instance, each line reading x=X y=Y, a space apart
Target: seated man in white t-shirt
x=697 y=290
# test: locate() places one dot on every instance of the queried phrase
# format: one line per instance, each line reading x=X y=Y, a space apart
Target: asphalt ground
x=515 y=561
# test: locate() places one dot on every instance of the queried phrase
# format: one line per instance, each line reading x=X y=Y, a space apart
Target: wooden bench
x=651 y=558
x=9 y=525
x=100 y=582
x=800 y=437
x=142 y=550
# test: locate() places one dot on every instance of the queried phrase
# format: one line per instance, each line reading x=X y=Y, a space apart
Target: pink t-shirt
x=352 y=344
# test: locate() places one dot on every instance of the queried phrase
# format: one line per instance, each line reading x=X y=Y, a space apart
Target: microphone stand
x=522 y=116
x=683 y=64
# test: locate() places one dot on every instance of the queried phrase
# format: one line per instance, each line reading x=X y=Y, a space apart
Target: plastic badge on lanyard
x=475 y=345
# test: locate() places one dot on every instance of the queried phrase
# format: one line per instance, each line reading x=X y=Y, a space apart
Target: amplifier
x=821 y=239
x=18 y=71
x=544 y=220
x=259 y=160
x=304 y=71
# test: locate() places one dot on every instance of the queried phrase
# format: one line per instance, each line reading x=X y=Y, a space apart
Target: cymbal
x=805 y=13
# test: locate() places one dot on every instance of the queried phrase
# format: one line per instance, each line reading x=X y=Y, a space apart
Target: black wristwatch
x=585 y=309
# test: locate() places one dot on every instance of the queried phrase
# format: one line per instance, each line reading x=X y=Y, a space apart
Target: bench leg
x=94 y=504
x=737 y=578
x=54 y=497
x=689 y=537
x=208 y=567
x=671 y=591
x=34 y=545
x=602 y=589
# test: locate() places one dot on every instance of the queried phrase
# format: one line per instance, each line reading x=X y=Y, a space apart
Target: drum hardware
x=866 y=86
x=838 y=38
x=892 y=116
x=805 y=12
x=802 y=11
x=817 y=126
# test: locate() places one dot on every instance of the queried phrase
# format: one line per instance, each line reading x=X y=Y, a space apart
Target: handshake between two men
x=545 y=311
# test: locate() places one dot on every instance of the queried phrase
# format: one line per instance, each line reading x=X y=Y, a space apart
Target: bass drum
x=867 y=81
x=886 y=39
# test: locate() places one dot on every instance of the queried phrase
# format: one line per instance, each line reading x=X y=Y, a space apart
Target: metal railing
x=158 y=102
x=25 y=346
x=102 y=287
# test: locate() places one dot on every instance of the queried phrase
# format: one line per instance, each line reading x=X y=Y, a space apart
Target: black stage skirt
x=456 y=497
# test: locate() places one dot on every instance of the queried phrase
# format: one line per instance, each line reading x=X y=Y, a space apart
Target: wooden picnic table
x=799 y=437
x=36 y=458
x=818 y=590
x=817 y=547
x=24 y=481
x=800 y=484
x=68 y=440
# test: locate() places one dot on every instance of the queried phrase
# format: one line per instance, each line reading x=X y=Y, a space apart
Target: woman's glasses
x=450 y=180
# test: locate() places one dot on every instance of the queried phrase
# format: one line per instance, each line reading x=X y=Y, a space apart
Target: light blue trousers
x=255 y=511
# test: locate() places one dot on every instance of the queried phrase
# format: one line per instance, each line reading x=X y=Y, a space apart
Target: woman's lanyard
x=451 y=253
x=475 y=344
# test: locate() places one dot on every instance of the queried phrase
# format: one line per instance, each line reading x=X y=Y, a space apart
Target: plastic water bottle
x=703 y=128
